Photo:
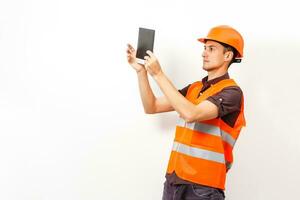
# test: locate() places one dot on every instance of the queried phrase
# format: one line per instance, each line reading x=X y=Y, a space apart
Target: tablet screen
x=145 y=42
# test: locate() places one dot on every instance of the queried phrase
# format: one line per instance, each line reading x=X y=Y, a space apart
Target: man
x=211 y=117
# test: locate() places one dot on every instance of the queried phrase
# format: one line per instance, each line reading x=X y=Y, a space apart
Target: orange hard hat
x=227 y=35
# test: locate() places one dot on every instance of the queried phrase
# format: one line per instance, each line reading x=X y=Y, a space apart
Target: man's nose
x=204 y=53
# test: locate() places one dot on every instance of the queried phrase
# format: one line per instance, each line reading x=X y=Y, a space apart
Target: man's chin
x=205 y=68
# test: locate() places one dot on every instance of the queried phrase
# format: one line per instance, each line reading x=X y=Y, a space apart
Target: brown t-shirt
x=228 y=102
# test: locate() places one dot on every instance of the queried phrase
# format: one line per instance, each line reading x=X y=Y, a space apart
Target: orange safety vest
x=202 y=150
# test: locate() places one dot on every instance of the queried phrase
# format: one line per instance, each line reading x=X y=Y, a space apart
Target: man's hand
x=132 y=60
x=152 y=65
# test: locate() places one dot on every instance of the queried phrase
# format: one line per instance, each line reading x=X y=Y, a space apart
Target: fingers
x=130 y=52
x=150 y=58
x=150 y=53
x=130 y=48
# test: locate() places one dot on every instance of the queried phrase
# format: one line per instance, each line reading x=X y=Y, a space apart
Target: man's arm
x=187 y=110
x=151 y=104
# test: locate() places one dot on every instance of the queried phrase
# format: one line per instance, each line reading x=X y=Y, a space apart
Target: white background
x=72 y=124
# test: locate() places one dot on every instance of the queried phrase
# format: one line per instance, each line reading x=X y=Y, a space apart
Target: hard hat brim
x=238 y=58
x=202 y=40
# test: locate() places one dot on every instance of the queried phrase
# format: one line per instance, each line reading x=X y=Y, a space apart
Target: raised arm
x=187 y=110
x=150 y=102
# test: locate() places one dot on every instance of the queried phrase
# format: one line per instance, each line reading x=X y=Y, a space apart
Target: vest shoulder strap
x=195 y=88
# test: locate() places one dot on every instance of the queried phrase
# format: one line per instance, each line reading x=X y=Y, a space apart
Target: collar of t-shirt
x=207 y=84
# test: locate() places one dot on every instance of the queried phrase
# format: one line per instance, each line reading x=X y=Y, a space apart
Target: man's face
x=213 y=55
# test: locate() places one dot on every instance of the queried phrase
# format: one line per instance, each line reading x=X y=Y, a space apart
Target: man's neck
x=216 y=73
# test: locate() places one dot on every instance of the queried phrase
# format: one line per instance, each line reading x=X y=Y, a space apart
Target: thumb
x=150 y=53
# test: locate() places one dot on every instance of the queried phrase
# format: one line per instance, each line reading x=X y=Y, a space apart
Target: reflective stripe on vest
x=198 y=153
x=208 y=129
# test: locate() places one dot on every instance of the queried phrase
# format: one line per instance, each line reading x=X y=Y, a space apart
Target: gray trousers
x=191 y=192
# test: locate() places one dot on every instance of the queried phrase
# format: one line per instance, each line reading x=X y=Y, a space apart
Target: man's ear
x=228 y=56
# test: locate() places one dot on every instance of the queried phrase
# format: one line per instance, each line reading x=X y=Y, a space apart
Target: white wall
x=71 y=121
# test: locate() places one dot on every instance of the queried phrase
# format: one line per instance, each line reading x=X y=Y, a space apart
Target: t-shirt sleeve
x=228 y=100
x=184 y=90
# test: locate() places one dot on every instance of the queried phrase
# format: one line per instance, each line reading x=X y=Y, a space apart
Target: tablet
x=145 y=42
